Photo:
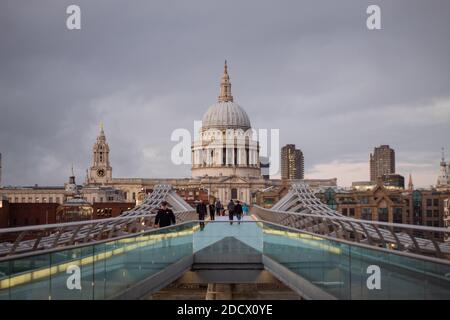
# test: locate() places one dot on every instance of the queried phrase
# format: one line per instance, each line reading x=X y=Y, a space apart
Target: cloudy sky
x=144 y=68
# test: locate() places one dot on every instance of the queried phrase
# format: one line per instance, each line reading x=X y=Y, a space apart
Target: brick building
x=426 y=207
x=27 y=214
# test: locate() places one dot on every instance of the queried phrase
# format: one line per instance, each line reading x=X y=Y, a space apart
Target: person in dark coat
x=212 y=211
x=238 y=211
x=165 y=216
x=219 y=208
x=201 y=210
x=230 y=208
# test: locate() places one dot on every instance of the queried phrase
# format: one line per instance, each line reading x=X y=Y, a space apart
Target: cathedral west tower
x=100 y=172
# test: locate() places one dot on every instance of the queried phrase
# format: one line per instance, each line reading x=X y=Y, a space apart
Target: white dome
x=226 y=115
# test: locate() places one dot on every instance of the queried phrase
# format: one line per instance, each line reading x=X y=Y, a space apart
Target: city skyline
x=81 y=178
x=336 y=89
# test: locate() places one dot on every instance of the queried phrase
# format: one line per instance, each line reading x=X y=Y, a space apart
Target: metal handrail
x=375 y=232
x=286 y=228
x=87 y=244
x=359 y=244
x=387 y=224
x=41 y=227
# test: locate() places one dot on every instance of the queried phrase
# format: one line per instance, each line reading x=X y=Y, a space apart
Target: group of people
x=165 y=216
x=234 y=210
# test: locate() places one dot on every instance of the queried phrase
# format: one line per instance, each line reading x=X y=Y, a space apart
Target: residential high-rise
x=382 y=162
x=292 y=163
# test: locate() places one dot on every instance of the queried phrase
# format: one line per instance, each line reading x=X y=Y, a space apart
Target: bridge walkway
x=315 y=267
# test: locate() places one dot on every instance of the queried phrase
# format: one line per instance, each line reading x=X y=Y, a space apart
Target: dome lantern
x=225 y=86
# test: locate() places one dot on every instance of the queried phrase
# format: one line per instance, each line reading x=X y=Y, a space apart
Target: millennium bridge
x=300 y=242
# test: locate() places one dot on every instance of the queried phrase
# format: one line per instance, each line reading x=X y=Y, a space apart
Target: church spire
x=410 y=183
x=72 y=176
x=444 y=178
x=225 y=86
x=101 y=136
x=102 y=132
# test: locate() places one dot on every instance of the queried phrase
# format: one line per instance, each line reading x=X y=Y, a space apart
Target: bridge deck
x=314 y=266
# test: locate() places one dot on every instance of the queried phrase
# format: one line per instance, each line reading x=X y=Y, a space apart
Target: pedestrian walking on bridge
x=201 y=210
x=219 y=208
x=212 y=211
x=245 y=209
x=164 y=217
x=238 y=211
x=231 y=208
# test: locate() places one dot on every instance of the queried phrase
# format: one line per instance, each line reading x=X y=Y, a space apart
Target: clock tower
x=100 y=171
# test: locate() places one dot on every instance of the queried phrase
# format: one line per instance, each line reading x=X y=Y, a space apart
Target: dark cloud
x=144 y=68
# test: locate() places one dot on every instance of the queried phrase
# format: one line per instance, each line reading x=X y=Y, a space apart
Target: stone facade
x=223 y=188
x=34 y=194
x=60 y=194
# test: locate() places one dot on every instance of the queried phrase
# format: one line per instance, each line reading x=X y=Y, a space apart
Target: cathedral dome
x=224 y=154
x=226 y=115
